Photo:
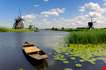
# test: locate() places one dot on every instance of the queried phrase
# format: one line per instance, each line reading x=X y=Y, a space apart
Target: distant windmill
x=19 y=22
x=90 y=24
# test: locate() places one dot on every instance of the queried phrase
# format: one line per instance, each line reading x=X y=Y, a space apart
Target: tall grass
x=87 y=36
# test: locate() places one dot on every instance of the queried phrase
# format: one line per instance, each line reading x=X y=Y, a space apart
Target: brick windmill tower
x=19 y=24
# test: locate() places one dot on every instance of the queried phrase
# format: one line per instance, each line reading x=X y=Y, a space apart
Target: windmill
x=90 y=24
x=19 y=22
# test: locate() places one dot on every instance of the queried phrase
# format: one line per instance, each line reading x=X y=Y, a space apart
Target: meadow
x=2 y=29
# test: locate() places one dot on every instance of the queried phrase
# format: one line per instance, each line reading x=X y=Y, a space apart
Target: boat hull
x=33 y=60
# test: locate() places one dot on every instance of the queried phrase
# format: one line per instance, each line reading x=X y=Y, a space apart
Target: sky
x=53 y=13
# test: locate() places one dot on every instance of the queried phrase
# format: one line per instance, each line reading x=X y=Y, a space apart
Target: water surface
x=12 y=57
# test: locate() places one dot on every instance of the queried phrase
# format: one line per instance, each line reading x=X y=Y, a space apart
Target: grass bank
x=15 y=30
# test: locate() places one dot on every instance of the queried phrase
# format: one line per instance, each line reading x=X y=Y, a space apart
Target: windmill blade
x=20 y=12
x=94 y=22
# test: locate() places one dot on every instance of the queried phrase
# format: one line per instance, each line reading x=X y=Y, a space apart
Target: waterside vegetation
x=88 y=36
x=2 y=29
x=84 y=45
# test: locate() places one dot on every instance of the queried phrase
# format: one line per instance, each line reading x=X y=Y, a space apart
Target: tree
x=62 y=28
x=30 y=26
x=52 y=28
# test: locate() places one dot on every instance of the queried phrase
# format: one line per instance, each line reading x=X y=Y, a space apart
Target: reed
x=87 y=36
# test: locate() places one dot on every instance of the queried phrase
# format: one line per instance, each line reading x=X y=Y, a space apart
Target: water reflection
x=39 y=65
x=19 y=37
x=12 y=57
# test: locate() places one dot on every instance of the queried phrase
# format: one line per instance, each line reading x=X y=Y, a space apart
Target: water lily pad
x=78 y=65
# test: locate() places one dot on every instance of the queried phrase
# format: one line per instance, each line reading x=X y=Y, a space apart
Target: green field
x=14 y=30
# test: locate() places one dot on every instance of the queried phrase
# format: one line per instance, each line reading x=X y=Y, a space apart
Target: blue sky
x=43 y=13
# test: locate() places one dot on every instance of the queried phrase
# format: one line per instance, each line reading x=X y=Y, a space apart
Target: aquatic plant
x=21 y=69
x=68 y=69
x=83 y=46
x=78 y=65
x=87 y=36
x=81 y=53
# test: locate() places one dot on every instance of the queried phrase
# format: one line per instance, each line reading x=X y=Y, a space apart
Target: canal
x=12 y=57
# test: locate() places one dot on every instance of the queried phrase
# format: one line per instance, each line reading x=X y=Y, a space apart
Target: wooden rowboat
x=33 y=52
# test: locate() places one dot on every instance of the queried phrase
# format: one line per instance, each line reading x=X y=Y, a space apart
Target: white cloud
x=89 y=9
x=79 y=21
x=29 y=17
x=82 y=9
x=92 y=9
x=104 y=2
x=36 y=5
x=45 y=0
x=92 y=6
x=53 y=12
